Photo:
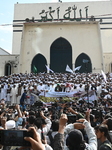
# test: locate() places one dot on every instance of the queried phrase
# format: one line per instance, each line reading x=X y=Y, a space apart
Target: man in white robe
x=14 y=95
x=3 y=92
x=8 y=95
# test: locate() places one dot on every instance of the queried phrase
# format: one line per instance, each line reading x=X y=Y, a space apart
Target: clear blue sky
x=6 y=18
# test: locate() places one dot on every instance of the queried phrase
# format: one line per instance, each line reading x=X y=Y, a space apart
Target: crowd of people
x=12 y=87
x=77 y=124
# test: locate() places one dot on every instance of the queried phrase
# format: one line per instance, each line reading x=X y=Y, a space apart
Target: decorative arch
x=7 y=69
x=84 y=61
x=60 y=55
x=38 y=64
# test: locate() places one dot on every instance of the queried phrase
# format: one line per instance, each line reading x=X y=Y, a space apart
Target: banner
x=82 y=95
x=57 y=94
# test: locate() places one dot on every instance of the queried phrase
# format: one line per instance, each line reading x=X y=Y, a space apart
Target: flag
x=34 y=69
x=68 y=69
x=104 y=76
x=49 y=69
x=77 y=68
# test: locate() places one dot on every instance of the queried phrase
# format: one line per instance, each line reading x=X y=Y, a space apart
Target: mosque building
x=60 y=34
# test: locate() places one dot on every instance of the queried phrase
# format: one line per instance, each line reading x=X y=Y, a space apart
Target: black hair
x=75 y=140
x=104 y=128
x=31 y=119
x=38 y=123
x=31 y=112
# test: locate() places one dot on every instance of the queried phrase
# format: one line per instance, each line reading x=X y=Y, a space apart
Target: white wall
x=96 y=8
x=4 y=59
x=83 y=37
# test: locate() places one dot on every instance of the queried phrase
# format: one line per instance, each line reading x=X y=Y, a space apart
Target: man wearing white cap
x=10 y=124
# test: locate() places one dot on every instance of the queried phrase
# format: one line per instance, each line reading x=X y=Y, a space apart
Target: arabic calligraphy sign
x=48 y=15
x=71 y=14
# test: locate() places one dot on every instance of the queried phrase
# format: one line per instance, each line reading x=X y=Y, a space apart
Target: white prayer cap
x=105 y=90
x=31 y=87
x=93 y=83
x=10 y=124
x=63 y=84
x=52 y=82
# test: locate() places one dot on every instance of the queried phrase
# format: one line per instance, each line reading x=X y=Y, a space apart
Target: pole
x=87 y=84
x=86 y=67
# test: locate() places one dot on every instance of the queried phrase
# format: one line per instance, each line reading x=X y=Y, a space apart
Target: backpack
x=108 y=145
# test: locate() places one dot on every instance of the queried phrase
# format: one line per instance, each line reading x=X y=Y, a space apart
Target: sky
x=6 y=19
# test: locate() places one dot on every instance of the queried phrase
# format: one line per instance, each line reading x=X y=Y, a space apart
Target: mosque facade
x=61 y=34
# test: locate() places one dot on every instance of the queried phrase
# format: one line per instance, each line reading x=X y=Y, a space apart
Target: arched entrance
x=60 y=55
x=7 y=69
x=38 y=64
x=84 y=61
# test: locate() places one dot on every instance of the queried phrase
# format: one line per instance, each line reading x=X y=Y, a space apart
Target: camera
x=38 y=104
x=14 y=137
x=12 y=107
x=71 y=118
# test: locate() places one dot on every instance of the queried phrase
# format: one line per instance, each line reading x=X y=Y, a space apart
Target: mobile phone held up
x=14 y=137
